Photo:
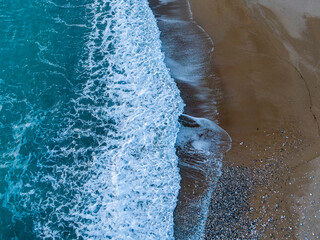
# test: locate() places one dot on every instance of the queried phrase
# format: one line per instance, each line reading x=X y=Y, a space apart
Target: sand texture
x=267 y=56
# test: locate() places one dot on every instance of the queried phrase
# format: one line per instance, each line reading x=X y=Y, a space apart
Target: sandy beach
x=267 y=56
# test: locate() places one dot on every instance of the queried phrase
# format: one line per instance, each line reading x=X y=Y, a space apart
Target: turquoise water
x=40 y=71
x=88 y=122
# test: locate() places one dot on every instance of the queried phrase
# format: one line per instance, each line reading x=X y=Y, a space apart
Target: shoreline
x=201 y=143
x=270 y=108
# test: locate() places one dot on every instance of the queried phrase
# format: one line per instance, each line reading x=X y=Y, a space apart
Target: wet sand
x=200 y=143
x=267 y=56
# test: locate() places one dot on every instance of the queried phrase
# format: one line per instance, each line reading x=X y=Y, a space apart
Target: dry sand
x=267 y=56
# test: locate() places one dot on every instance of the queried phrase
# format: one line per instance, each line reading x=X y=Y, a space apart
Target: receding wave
x=200 y=146
x=201 y=143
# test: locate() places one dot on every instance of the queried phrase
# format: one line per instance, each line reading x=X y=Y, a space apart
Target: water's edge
x=201 y=142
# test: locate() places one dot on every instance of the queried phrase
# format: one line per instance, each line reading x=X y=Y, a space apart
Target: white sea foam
x=129 y=188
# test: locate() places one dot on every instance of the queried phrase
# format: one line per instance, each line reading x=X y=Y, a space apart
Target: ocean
x=89 y=119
